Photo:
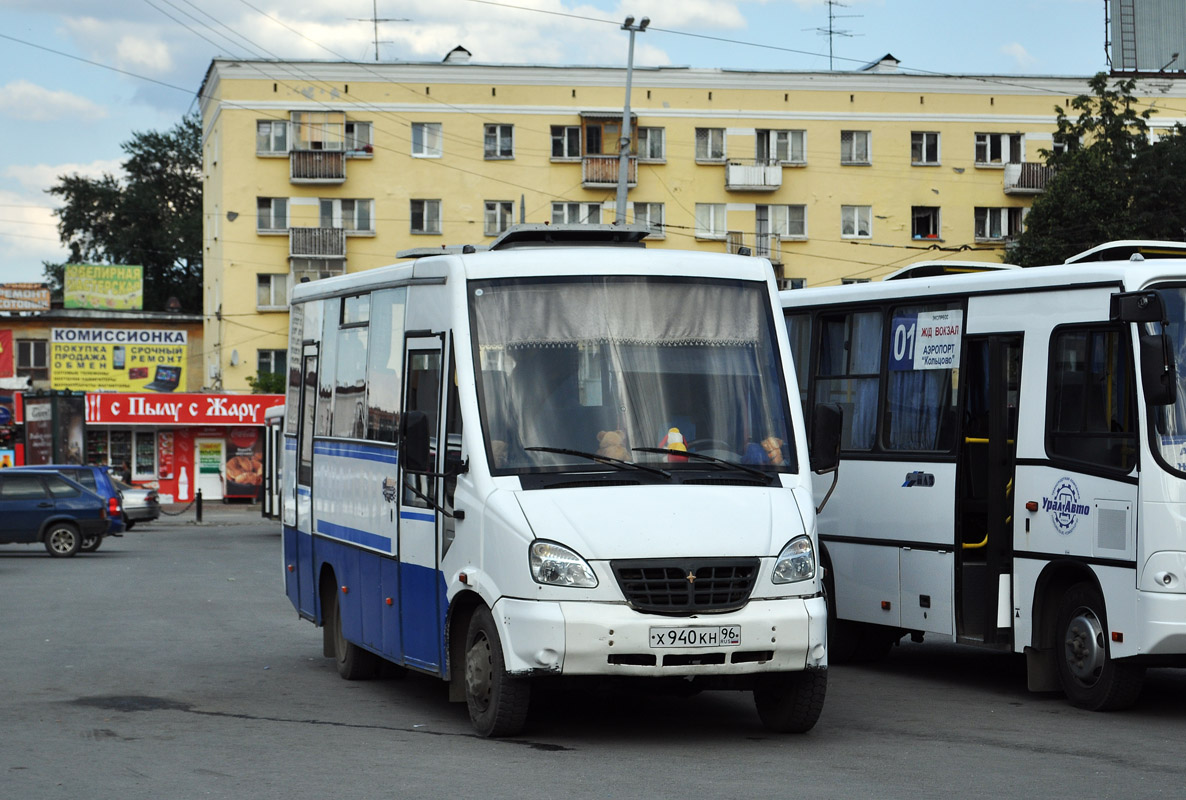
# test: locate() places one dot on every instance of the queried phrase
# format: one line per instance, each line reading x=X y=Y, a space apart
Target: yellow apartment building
x=318 y=168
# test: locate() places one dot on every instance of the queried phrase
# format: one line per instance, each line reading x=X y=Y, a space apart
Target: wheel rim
x=61 y=540
x=478 y=672
x=1084 y=646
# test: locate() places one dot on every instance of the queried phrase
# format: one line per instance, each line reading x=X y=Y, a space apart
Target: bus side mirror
x=1159 y=379
x=413 y=442
x=824 y=447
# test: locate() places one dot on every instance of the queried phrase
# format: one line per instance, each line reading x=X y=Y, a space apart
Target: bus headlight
x=796 y=562
x=556 y=565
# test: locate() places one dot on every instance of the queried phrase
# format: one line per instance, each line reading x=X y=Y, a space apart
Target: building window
x=500 y=141
x=847 y=281
x=924 y=149
x=1064 y=143
x=566 y=141
x=854 y=147
x=786 y=222
x=358 y=139
x=997 y=149
x=272 y=292
x=576 y=213
x=856 y=222
x=32 y=359
x=426 y=139
x=794 y=283
x=318 y=130
x=782 y=147
x=652 y=144
x=316 y=268
x=271 y=361
x=924 y=222
x=995 y=224
x=272 y=215
x=426 y=216
x=651 y=215
x=271 y=137
x=499 y=214
x=356 y=216
x=710 y=221
x=710 y=144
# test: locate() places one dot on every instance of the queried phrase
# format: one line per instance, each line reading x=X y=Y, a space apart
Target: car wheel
x=129 y=524
x=791 y=702
x=90 y=543
x=62 y=540
x=498 y=703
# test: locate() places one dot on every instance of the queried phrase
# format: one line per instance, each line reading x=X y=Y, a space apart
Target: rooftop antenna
x=375 y=19
x=832 y=31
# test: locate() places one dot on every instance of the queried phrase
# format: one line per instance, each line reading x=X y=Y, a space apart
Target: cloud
x=1019 y=54
x=26 y=101
x=28 y=236
x=36 y=178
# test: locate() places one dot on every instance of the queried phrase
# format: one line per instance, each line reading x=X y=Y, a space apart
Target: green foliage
x=267 y=383
x=1109 y=183
x=151 y=216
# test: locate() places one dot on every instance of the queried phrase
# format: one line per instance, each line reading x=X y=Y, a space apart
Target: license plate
x=722 y=636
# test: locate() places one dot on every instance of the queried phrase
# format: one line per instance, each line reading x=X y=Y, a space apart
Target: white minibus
x=1013 y=463
x=565 y=456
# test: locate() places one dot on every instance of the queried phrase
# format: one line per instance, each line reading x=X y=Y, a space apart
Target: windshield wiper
x=613 y=462
x=702 y=457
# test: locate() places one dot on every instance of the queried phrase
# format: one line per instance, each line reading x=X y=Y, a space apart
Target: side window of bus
x=799 y=331
x=452 y=453
x=329 y=361
x=424 y=394
x=350 y=386
x=1092 y=398
x=849 y=373
x=385 y=364
x=920 y=403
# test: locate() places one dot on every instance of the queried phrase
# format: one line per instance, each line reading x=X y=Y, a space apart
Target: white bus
x=1013 y=463
x=623 y=488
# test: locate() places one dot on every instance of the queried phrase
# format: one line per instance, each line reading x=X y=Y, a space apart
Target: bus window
x=1093 y=398
x=385 y=365
x=424 y=394
x=920 y=402
x=849 y=371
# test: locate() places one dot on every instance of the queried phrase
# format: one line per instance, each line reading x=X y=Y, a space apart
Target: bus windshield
x=1170 y=441
x=601 y=365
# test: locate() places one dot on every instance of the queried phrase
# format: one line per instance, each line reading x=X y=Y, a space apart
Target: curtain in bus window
x=849 y=373
x=919 y=402
x=565 y=362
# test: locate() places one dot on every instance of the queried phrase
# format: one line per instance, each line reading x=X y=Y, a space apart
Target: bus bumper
x=600 y=639
x=1164 y=616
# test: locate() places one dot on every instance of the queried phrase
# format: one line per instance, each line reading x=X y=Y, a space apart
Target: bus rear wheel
x=791 y=702
x=354 y=663
x=497 y=702
x=1090 y=677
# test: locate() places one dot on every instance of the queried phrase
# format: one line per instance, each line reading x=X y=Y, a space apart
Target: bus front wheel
x=497 y=702
x=1090 y=677
x=791 y=702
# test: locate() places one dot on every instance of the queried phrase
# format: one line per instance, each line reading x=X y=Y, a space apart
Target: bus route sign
x=927 y=340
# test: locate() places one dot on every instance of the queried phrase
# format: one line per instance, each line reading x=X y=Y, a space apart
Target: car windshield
x=123 y=487
x=579 y=367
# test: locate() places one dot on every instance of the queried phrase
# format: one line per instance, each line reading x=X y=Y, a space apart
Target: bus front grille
x=688 y=586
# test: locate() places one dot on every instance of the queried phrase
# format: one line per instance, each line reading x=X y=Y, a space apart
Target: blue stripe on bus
x=419 y=516
x=360 y=451
x=290 y=443
x=354 y=535
x=303 y=491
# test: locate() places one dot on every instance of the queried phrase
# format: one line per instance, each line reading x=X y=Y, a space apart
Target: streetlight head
x=629 y=21
x=642 y=26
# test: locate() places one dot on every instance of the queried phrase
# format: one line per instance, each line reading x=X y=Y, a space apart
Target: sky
x=79 y=77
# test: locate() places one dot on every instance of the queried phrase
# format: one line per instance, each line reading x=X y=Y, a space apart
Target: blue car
x=47 y=507
x=98 y=481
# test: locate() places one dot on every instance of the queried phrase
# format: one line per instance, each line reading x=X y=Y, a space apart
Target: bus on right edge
x=1013 y=462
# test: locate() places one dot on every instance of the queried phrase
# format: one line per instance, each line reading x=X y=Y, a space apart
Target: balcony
x=317 y=166
x=602 y=171
x=1027 y=178
x=317 y=242
x=752 y=175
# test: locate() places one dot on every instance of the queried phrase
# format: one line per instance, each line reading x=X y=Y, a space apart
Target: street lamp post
x=624 y=141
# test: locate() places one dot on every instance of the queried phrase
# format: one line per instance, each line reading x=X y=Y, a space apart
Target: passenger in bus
x=769 y=451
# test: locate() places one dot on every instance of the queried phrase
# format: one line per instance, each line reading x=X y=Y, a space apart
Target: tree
x=1107 y=182
x=152 y=216
x=268 y=383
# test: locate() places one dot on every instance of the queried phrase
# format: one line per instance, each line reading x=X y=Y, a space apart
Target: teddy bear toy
x=612 y=444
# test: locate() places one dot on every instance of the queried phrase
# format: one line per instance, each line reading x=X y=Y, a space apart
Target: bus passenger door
x=991 y=374
x=420 y=586
x=306 y=589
